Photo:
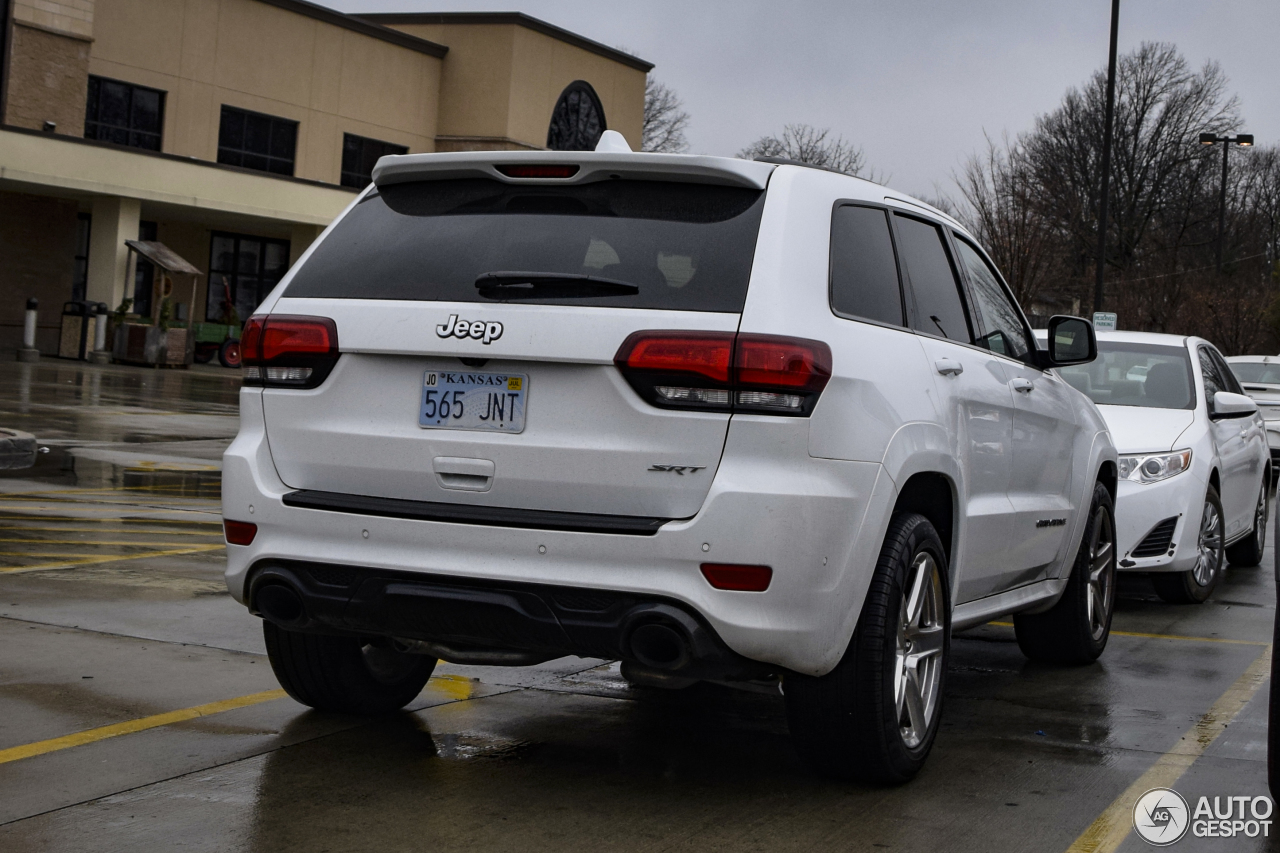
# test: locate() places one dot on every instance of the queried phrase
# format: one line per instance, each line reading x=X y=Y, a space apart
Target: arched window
x=577 y=120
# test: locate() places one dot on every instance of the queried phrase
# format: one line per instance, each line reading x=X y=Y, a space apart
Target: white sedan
x=1194 y=473
x=1260 y=377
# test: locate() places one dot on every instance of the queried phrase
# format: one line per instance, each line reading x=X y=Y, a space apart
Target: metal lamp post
x=1244 y=140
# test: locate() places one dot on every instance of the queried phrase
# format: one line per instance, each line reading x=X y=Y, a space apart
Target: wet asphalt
x=113 y=613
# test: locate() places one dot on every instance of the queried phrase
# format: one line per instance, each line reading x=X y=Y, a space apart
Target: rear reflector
x=239 y=532
x=538 y=170
x=283 y=351
x=725 y=372
x=737 y=577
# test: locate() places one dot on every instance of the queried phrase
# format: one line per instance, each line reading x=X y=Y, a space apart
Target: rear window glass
x=1256 y=371
x=676 y=245
x=1148 y=376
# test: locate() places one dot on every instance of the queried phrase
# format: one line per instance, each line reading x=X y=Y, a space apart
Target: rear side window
x=938 y=306
x=676 y=246
x=864 y=272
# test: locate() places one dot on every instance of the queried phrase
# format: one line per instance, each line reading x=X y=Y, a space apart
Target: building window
x=124 y=113
x=242 y=271
x=257 y=141
x=80 y=277
x=144 y=273
x=577 y=121
x=359 y=154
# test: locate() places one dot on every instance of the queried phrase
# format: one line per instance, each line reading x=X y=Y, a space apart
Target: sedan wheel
x=1196 y=584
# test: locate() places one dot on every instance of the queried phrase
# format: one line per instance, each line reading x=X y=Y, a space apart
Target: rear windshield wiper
x=549 y=285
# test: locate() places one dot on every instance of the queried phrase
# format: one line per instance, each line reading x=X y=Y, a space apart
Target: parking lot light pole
x=1244 y=140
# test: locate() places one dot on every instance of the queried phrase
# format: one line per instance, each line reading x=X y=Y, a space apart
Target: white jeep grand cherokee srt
x=719 y=419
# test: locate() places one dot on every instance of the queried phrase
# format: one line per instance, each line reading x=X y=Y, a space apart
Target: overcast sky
x=915 y=83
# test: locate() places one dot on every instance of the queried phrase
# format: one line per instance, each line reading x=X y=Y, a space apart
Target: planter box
x=137 y=344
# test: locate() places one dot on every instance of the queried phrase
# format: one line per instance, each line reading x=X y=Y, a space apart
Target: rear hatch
x=458 y=284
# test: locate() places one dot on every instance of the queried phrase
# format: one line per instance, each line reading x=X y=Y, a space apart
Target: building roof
x=357 y=24
x=517 y=18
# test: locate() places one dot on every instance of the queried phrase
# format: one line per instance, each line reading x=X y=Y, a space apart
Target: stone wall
x=48 y=79
x=38 y=245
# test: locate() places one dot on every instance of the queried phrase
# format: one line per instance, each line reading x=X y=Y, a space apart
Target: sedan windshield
x=1145 y=375
x=1256 y=371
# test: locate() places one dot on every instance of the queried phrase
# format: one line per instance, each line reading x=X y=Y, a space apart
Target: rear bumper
x=771 y=503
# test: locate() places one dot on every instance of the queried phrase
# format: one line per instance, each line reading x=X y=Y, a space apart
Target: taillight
x=239 y=532
x=737 y=577
x=283 y=351
x=726 y=372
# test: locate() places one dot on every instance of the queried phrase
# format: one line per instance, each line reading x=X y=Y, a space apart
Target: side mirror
x=1228 y=405
x=1070 y=341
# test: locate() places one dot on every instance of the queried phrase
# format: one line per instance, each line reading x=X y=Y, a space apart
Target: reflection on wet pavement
x=112 y=609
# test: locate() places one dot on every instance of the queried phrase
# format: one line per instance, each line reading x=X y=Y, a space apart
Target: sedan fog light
x=1151 y=468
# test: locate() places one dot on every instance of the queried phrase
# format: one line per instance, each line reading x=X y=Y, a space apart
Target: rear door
x=512 y=300
x=974 y=395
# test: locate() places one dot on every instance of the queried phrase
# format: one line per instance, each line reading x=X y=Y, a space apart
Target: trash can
x=79 y=319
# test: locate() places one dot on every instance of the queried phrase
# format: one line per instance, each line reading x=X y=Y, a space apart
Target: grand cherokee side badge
x=1051 y=522
x=679 y=469
x=484 y=332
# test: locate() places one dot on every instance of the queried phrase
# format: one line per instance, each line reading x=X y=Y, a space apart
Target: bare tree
x=665 y=119
x=1001 y=213
x=807 y=144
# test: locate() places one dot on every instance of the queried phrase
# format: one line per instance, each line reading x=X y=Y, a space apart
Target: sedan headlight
x=1155 y=466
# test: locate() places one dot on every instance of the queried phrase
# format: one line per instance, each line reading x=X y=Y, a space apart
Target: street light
x=1244 y=140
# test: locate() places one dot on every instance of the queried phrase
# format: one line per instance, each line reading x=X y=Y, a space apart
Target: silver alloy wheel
x=1102 y=575
x=918 y=673
x=1260 y=519
x=1209 y=558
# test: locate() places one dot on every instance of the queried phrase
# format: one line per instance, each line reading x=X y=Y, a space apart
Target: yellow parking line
x=1112 y=827
x=90 y=561
x=1168 y=636
x=16 y=753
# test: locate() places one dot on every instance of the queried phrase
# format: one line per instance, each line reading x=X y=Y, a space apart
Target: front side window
x=1213 y=381
x=257 y=141
x=1000 y=324
x=864 y=271
x=360 y=154
x=1149 y=376
x=124 y=113
x=1228 y=379
x=242 y=271
x=939 y=309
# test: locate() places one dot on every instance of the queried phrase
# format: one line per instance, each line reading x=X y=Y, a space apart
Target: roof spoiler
x=592 y=166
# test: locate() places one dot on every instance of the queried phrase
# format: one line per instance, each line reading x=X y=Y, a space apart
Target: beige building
x=233 y=131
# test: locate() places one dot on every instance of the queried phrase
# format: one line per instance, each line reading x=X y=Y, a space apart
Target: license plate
x=483 y=401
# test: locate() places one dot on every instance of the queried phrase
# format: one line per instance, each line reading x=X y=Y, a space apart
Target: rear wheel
x=1075 y=630
x=874 y=717
x=204 y=353
x=229 y=353
x=1248 y=551
x=1197 y=583
x=345 y=674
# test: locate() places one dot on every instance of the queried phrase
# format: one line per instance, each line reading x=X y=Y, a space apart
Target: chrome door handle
x=1023 y=385
x=949 y=367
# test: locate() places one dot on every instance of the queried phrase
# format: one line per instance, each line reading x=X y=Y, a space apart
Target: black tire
x=344 y=674
x=204 y=354
x=229 y=353
x=1195 y=585
x=848 y=724
x=1247 y=553
x=1075 y=630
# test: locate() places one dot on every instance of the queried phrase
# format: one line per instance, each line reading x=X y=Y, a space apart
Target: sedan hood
x=1135 y=429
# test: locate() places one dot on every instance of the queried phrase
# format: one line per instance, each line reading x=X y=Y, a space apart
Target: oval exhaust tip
x=659 y=646
x=280 y=604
